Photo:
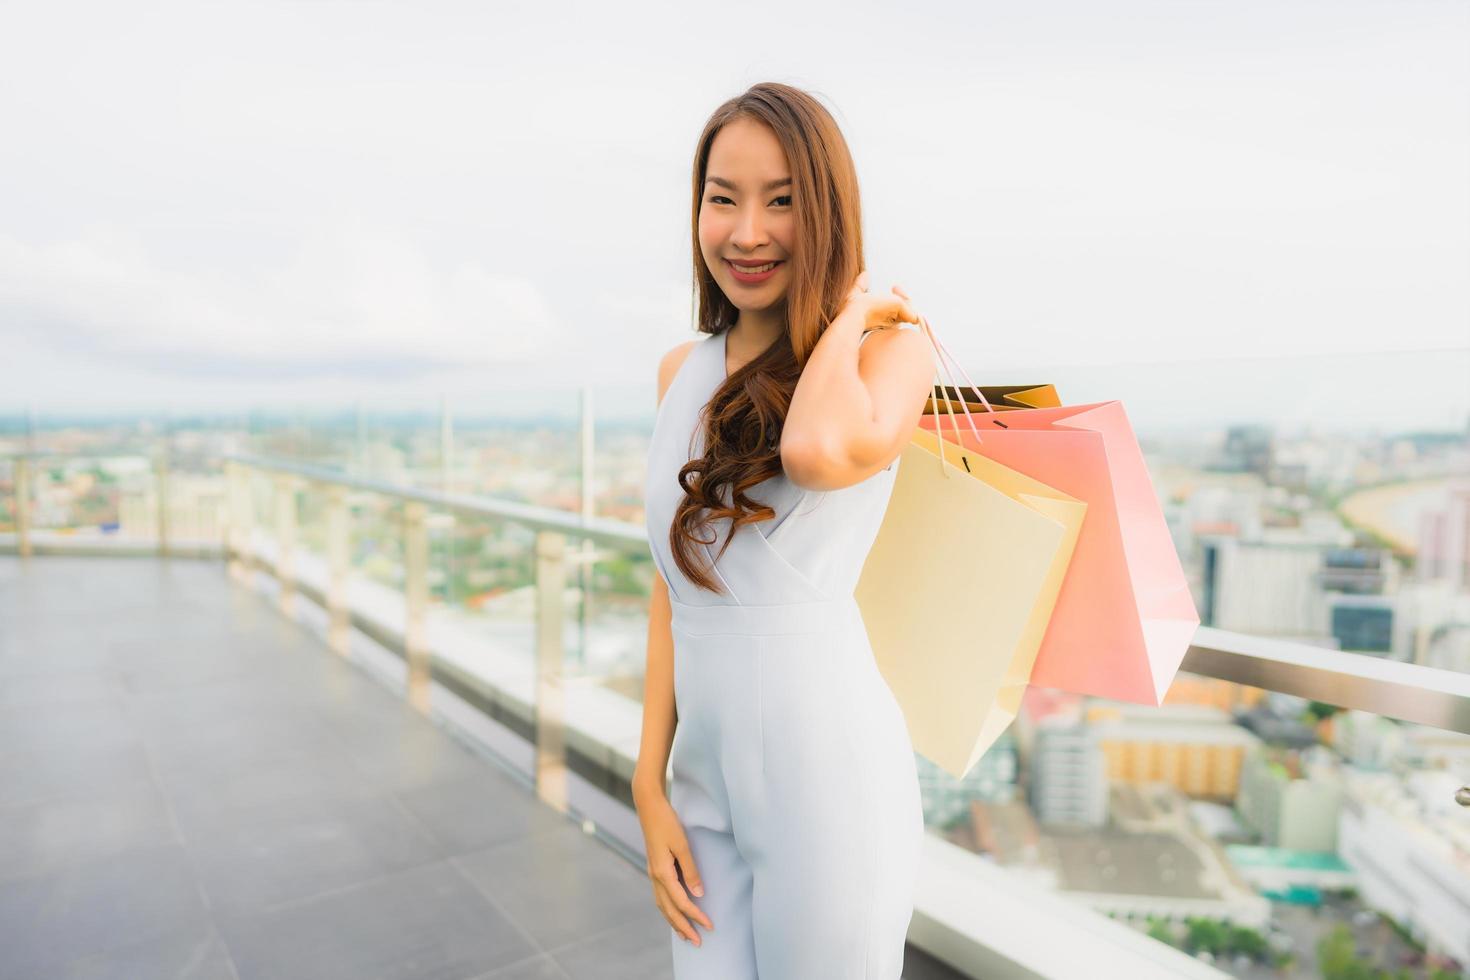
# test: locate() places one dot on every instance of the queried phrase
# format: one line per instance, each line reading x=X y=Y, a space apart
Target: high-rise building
x=1292 y=799
x=1444 y=539
x=1069 y=783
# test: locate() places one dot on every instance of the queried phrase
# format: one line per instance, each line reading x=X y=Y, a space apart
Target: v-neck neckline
x=725 y=351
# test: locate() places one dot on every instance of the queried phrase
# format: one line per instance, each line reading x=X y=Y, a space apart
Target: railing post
x=160 y=472
x=242 y=523
x=227 y=525
x=337 y=560
x=228 y=532
x=416 y=602
x=551 y=763
x=23 y=505
x=286 y=542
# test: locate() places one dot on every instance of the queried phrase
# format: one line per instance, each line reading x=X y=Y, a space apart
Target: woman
x=791 y=828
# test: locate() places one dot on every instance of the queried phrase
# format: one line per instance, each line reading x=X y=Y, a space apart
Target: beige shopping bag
x=957 y=590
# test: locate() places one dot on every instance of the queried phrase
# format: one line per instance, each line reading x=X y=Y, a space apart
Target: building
x=1194 y=748
x=1263 y=589
x=1286 y=875
x=1069 y=782
x=1291 y=799
x=1368 y=741
x=1408 y=842
x=1363 y=623
x=1444 y=539
x=1211 y=692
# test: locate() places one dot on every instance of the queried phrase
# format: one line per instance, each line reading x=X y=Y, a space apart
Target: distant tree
x=1337 y=958
x=1320 y=709
x=1162 y=931
x=1243 y=939
x=1335 y=951
x=1205 y=934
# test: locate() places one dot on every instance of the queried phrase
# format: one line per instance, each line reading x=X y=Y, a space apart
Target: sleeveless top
x=814 y=548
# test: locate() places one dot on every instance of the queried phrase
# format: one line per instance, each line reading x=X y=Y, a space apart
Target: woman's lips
x=743 y=276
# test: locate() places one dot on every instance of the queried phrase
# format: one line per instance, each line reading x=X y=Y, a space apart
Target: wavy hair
x=742 y=420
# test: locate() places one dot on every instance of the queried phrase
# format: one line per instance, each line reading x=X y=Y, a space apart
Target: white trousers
x=795 y=780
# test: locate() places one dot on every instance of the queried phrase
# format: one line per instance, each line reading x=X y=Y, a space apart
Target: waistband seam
x=770 y=618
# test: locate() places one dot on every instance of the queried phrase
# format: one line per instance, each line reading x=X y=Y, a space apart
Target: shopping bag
x=957 y=589
x=1002 y=398
x=1125 y=617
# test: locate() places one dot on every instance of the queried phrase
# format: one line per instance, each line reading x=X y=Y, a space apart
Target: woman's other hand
x=666 y=843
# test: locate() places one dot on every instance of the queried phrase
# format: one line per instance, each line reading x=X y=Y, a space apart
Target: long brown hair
x=742 y=420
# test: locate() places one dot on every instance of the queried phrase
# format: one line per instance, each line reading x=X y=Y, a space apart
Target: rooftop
x=194 y=786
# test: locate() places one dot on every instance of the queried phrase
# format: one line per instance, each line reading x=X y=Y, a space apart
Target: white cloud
x=352 y=298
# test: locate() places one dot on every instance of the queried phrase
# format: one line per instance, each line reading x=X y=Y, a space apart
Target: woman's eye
x=715 y=198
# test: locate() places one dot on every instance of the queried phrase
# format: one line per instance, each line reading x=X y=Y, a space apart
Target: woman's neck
x=753 y=333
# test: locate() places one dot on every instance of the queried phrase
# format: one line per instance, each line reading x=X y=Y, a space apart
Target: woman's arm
x=672 y=871
x=659 y=716
x=854 y=409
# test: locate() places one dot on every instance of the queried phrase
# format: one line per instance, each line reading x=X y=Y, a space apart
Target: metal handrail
x=606 y=531
x=1392 y=688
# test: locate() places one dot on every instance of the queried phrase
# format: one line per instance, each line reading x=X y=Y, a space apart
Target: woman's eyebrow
x=782 y=182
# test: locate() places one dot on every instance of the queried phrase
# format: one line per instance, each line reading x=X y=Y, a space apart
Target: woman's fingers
x=899 y=311
x=895 y=306
x=905 y=307
x=687 y=868
x=666 y=906
x=682 y=901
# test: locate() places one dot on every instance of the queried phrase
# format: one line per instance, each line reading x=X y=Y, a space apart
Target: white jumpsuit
x=792 y=768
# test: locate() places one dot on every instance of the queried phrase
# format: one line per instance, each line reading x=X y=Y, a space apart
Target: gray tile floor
x=191 y=786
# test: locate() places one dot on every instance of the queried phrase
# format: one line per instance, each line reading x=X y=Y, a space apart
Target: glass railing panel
x=377 y=541
x=311 y=520
x=92 y=497
x=606 y=662
x=482 y=616
x=8 y=502
x=197 y=501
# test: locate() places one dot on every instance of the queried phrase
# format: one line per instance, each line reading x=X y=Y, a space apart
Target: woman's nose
x=748 y=233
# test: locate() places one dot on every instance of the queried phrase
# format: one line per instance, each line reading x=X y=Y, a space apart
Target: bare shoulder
x=669 y=364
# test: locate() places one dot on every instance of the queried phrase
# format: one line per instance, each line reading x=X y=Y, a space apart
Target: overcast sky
x=1216 y=211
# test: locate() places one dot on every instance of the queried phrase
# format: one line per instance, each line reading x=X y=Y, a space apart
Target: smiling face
x=746 y=214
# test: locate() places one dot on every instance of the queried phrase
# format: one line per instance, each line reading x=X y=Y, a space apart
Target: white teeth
x=755 y=269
